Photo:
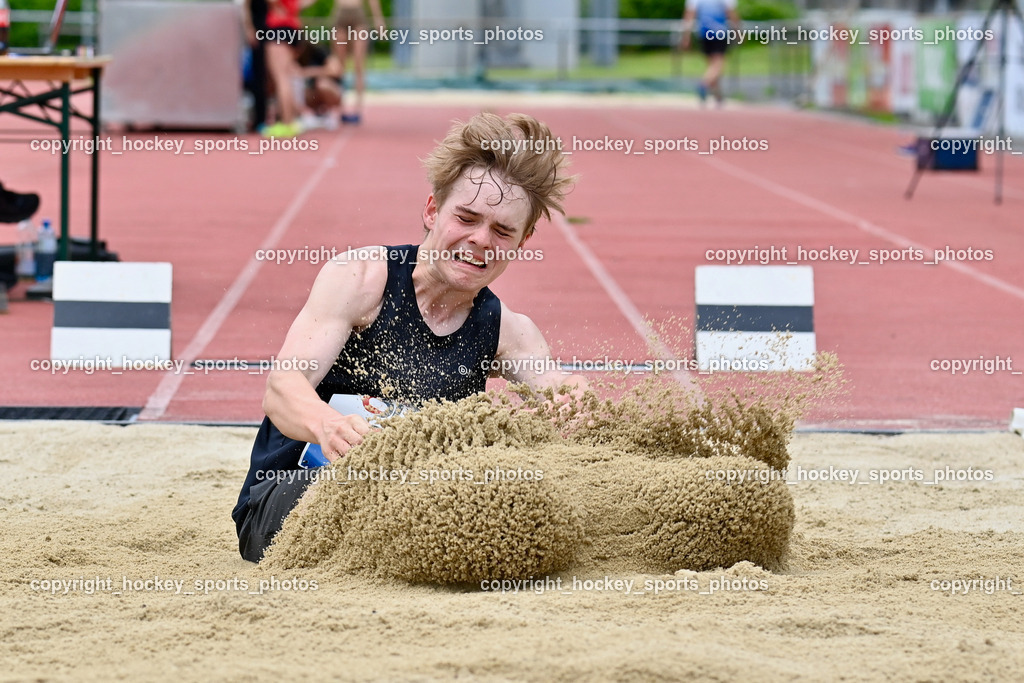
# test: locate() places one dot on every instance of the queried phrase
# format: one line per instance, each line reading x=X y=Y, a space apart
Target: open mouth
x=467 y=258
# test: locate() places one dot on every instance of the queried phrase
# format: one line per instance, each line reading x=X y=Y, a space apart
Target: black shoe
x=15 y=207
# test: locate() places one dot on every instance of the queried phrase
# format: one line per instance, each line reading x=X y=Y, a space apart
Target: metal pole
x=94 y=210
x=563 y=53
x=1001 y=132
x=65 y=171
x=947 y=115
x=89 y=10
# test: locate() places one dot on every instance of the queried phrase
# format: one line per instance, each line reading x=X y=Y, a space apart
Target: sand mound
x=439 y=496
x=442 y=427
x=441 y=532
x=700 y=524
x=464 y=531
x=481 y=490
x=662 y=425
x=649 y=514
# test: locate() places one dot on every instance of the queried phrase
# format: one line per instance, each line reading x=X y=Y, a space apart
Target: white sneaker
x=310 y=121
x=329 y=122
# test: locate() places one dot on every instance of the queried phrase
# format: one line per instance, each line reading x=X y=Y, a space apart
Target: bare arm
x=734 y=19
x=521 y=340
x=688 y=17
x=378 y=15
x=344 y=296
x=330 y=69
x=247 y=24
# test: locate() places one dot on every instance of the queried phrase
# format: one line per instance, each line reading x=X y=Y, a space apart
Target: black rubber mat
x=92 y=413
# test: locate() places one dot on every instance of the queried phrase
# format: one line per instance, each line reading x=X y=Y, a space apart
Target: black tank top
x=396 y=357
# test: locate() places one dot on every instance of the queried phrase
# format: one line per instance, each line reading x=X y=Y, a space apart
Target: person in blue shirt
x=712 y=19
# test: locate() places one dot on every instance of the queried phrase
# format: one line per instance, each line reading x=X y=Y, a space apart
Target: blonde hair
x=518 y=149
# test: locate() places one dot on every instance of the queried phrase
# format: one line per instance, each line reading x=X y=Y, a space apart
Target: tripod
x=1004 y=9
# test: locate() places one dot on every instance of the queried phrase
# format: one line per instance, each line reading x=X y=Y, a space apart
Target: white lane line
x=865 y=225
x=171 y=381
x=839 y=214
x=626 y=307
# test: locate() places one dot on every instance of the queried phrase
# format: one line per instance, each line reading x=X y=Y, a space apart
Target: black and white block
x=755 y=318
x=120 y=311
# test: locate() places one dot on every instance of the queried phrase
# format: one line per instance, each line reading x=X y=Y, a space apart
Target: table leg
x=65 y=171
x=94 y=207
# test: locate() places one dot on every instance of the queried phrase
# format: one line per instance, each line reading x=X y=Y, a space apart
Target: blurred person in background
x=254 y=23
x=322 y=93
x=283 y=23
x=713 y=19
x=350 y=19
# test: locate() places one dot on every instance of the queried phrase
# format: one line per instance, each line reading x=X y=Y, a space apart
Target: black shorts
x=270 y=501
x=714 y=46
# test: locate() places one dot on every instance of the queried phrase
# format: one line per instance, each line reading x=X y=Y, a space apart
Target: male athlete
x=409 y=323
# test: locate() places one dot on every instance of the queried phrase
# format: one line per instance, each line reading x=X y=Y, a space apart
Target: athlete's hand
x=339 y=434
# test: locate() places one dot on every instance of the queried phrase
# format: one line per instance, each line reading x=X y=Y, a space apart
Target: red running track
x=647 y=221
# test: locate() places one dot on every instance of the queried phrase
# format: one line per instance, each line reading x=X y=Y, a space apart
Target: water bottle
x=5 y=26
x=46 y=252
x=26 y=267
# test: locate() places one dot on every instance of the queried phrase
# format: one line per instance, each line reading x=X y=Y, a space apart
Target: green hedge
x=322 y=8
x=650 y=9
x=27 y=35
x=767 y=10
x=750 y=10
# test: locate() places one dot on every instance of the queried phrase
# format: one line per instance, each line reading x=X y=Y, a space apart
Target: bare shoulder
x=352 y=284
x=519 y=336
x=346 y=295
x=525 y=356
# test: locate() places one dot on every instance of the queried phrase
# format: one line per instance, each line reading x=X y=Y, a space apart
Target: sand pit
x=868 y=593
x=474 y=491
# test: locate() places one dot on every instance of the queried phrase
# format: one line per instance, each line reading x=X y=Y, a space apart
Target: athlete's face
x=473 y=236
